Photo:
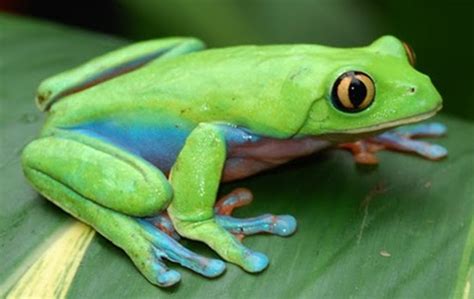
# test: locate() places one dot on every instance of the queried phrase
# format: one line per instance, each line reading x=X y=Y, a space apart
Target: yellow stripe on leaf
x=52 y=274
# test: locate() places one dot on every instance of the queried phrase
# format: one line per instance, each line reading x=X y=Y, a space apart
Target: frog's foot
x=400 y=139
x=283 y=225
x=166 y=247
x=226 y=232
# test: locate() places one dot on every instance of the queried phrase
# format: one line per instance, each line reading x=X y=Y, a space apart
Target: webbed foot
x=283 y=225
x=400 y=139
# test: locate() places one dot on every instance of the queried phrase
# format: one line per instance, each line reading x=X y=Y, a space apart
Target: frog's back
x=249 y=86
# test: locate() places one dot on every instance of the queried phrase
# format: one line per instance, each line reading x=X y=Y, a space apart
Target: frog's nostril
x=412 y=89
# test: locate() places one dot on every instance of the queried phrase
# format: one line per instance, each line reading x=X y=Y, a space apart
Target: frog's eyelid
x=411 y=55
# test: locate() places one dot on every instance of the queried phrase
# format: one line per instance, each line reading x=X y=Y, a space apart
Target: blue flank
x=159 y=144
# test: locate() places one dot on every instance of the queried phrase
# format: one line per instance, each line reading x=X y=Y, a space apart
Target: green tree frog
x=137 y=141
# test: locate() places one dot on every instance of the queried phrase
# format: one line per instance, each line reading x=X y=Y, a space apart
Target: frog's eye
x=410 y=53
x=353 y=92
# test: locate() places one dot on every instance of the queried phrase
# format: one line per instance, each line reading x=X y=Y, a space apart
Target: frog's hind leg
x=111 y=65
x=281 y=225
x=110 y=190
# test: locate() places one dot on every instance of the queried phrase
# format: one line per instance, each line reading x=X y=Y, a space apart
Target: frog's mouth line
x=391 y=124
x=365 y=132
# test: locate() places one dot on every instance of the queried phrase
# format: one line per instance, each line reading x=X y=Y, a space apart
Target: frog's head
x=372 y=89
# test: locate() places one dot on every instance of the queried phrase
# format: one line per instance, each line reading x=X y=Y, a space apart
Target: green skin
x=278 y=92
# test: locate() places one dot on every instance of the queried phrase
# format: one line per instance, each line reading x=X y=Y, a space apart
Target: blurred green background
x=441 y=32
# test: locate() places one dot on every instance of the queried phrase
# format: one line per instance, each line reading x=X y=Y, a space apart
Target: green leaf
x=404 y=229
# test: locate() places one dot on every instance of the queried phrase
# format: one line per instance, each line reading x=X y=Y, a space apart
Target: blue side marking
x=159 y=144
x=236 y=136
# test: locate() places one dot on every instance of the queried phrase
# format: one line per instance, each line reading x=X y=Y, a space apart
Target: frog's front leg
x=111 y=190
x=400 y=139
x=195 y=178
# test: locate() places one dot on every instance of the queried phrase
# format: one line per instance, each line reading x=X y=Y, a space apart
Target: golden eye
x=410 y=54
x=353 y=92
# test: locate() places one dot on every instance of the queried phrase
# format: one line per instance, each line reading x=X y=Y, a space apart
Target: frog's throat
x=391 y=124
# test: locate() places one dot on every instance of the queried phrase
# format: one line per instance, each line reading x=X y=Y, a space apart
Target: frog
x=137 y=141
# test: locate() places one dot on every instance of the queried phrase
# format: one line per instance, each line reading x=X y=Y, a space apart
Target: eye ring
x=411 y=55
x=353 y=91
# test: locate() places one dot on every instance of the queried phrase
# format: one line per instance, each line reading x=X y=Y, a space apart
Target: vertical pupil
x=357 y=92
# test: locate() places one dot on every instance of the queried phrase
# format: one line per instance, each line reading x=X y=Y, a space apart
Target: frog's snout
x=425 y=96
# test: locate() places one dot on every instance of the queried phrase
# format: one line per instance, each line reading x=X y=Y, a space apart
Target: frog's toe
x=432 y=151
x=164 y=276
x=168 y=248
x=283 y=225
x=237 y=198
x=214 y=268
x=397 y=141
x=255 y=262
x=168 y=278
x=432 y=129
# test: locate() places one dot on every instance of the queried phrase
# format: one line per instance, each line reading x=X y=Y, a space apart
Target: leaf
x=404 y=229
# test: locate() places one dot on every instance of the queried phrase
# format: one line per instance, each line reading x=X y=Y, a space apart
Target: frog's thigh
x=111 y=65
x=195 y=179
x=99 y=172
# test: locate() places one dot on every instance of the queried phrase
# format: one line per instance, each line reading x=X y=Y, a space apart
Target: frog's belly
x=247 y=154
x=250 y=158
